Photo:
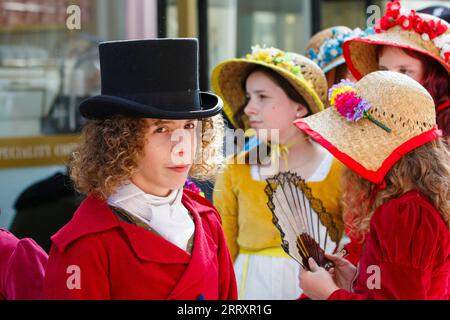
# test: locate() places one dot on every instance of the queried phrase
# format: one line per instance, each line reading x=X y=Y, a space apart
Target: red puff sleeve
x=410 y=243
x=22 y=267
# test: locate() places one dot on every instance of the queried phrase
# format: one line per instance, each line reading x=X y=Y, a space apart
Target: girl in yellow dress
x=266 y=92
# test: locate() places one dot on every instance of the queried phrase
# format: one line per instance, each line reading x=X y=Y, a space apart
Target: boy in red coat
x=139 y=235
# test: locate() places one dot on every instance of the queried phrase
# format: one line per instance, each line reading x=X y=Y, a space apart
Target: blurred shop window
x=284 y=24
x=421 y=4
x=172 y=18
x=350 y=13
x=353 y=13
x=46 y=70
x=236 y=25
x=222 y=31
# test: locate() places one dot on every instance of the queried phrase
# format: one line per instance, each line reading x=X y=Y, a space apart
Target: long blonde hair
x=425 y=169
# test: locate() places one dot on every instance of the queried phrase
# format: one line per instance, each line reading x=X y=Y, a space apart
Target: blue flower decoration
x=331 y=49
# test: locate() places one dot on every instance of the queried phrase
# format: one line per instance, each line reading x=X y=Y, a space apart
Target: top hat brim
x=104 y=106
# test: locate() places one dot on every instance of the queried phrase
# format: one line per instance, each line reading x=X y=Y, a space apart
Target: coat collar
x=92 y=216
x=95 y=216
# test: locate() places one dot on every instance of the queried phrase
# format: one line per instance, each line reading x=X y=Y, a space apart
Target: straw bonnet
x=420 y=32
x=368 y=131
x=303 y=74
x=325 y=47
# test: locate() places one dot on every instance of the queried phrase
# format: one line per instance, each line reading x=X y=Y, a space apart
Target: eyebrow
x=169 y=122
x=400 y=66
x=259 y=91
x=159 y=122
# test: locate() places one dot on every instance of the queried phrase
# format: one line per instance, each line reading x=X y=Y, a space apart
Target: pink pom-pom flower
x=352 y=107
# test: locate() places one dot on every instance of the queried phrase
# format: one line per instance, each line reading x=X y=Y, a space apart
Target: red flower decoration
x=447 y=57
x=393 y=9
x=387 y=22
x=392 y=18
x=432 y=29
x=418 y=25
x=439 y=29
x=406 y=22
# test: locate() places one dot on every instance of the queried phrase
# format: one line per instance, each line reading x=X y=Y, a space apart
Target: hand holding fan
x=307 y=229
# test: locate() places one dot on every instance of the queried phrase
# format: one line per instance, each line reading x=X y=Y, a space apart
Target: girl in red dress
x=396 y=190
x=139 y=235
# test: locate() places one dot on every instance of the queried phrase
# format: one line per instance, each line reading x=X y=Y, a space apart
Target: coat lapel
x=149 y=246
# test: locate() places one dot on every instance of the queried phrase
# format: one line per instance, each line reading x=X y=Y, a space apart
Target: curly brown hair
x=110 y=149
x=425 y=169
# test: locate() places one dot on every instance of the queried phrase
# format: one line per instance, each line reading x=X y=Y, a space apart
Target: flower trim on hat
x=443 y=43
x=277 y=58
x=353 y=108
x=332 y=48
x=429 y=30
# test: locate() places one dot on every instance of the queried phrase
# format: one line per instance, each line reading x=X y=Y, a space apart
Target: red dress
x=408 y=246
x=98 y=256
x=22 y=267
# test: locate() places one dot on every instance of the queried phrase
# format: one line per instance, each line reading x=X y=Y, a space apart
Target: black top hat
x=155 y=78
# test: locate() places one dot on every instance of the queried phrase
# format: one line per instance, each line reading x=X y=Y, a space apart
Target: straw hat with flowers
x=325 y=47
x=303 y=74
x=370 y=125
x=423 y=33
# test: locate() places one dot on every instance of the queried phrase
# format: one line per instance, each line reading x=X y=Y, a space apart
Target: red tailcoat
x=98 y=256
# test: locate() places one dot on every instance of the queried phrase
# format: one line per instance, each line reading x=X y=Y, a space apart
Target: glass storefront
x=236 y=25
x=46 y=69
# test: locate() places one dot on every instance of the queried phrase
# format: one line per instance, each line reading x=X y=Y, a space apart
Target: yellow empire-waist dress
x=247 y=220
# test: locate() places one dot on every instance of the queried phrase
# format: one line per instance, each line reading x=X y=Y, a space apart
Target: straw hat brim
x=361 y=54
x=321 y=37
x=227 y=79
x=335 y=63
x=362 y=146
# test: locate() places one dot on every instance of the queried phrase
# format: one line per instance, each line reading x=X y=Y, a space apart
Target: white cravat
x=165 y=215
